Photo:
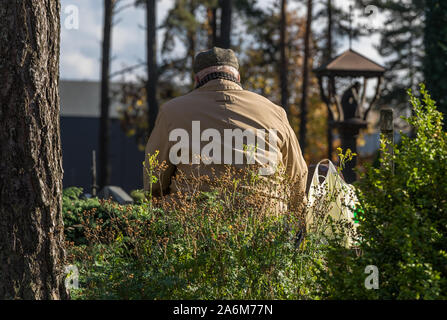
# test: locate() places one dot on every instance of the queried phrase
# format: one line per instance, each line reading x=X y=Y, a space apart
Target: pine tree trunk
x=31 y=226
x=152 y=70
x=328 y=56
x=192 y=39
x=305 y=91
x=104 y=126
x=434 y=63
x=225 y=23
x=283 y=70
x=212 y=25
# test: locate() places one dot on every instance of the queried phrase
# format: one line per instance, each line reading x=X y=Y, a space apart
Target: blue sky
x=81 y=49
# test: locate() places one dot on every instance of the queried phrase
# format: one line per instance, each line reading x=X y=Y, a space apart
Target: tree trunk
x=212 y=32
x=152 y=70
x=328 y=56
x=328 y=51
x=434 y=63
x=225 y=24
x=283 y=70
x=304 y=98
x=31 y=226
x=192 y=39
x=104 y=126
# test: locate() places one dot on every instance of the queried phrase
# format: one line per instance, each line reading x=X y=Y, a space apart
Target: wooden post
x=387 y=130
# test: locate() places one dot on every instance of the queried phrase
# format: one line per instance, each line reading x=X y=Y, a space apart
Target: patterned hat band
x=228 y=69
x=217 y=75
x=217 y=72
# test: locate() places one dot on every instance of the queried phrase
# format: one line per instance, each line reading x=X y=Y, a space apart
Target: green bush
x=79 y=213
x=227 y=244
x=222 y=244
x=138 y=196
x=403 y=218
x=73 y=209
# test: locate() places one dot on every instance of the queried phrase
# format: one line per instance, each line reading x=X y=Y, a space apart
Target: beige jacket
x=221 y=104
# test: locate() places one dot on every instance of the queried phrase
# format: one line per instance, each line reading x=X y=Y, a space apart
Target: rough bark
x=152 y=70
x=104 y=126
x=305 y=88
x=283 y=70
x=31 y=226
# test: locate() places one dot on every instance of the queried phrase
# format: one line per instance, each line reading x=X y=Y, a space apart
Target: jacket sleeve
x=158 y=141
x=296 y=167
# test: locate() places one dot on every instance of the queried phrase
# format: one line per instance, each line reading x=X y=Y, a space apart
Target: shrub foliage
x=228 y=243
x=403 y=219
x=238 y=241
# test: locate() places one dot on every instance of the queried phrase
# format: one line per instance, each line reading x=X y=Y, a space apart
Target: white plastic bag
x=333 y=197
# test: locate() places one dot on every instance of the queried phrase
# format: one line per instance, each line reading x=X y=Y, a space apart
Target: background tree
x=259 y=57
x=182 y=26
x=173 y=72
x=152 y=70
x=401 y=45
x=329 y=46
x=260 y=65
x=337 y=27
x=31 y=227
x=104 y=124
x=328 y=54
x=305 y=86
x=211 y=25
x=225 y=23
x=283 y=71
x=435 y=43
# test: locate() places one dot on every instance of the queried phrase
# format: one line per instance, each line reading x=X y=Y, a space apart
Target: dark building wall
x=79 y=137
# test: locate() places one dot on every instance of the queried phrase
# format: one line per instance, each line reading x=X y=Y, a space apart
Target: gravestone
x=116 y=193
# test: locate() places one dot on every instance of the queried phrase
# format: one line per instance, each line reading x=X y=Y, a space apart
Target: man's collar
x=219 y=85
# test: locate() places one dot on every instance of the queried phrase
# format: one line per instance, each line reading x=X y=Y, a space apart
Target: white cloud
x=79 y=66
x=81 y=49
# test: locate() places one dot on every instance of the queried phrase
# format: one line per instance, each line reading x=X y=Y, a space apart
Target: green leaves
x=403 y=218
x=202 y=252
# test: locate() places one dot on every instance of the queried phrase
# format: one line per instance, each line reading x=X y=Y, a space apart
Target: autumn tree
x=260 y=65
x=196 y=24
x=211 y=23
x=330 y=14
x=31 y=227
x=337 y=24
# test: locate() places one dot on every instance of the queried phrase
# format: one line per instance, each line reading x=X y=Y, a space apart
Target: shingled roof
x=351 y=64
x=81 y=99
